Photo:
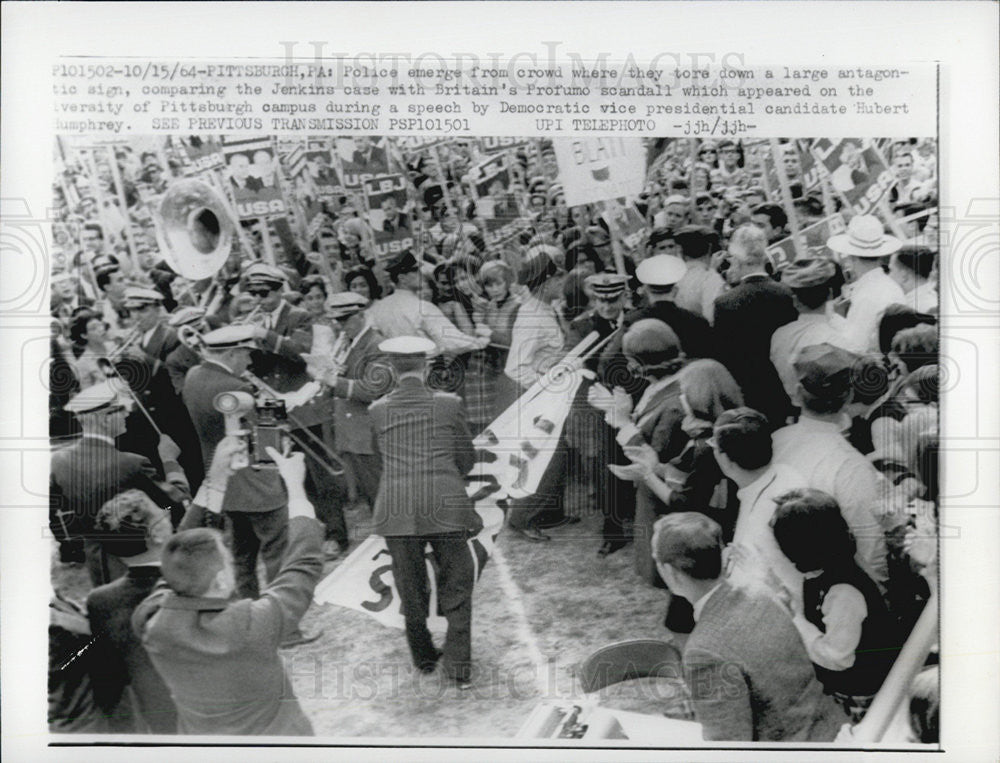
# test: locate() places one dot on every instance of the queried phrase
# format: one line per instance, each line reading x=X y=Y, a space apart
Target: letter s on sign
x=379 y=587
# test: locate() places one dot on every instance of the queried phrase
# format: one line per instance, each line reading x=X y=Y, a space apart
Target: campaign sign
x=490 y=180
x=596 y=169
x=253 y=178
x=202 y=153
x=858 y=172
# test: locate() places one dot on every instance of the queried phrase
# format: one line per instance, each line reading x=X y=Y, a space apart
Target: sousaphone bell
x=193 y=228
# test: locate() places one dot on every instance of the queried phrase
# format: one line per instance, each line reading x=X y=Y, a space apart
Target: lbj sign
x=597 y=169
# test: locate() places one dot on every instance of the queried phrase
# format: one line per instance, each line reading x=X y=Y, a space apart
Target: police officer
x=426 y=451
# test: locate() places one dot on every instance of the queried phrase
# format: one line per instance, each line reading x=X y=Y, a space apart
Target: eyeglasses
x=259 y=292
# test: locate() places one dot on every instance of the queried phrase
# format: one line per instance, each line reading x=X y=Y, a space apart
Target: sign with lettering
x=858 y=172
x=595 y=169
x=252 y=177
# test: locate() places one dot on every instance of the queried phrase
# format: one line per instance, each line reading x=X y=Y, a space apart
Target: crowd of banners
x=512 y=454
x=310 y=185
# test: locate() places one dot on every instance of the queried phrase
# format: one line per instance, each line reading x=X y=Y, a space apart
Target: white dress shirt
x=753 y=527
x=403 y=313
x=697 y=290
x=844 y=612
x=870 y=295
x=819 y=451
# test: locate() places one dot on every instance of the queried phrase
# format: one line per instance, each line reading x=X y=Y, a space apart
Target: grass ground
x=528 y=638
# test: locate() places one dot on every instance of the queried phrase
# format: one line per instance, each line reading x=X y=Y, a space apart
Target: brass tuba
x=193 y=228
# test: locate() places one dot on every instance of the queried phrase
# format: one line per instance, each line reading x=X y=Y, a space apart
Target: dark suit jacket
x=164 y=402
x=749 y=674
x=745 y=319
x=87 y=474
x=280 y=362
x=426 y=452
x=179 y=361
x=356 y=388
x=122 y=658
x=220 y=657
x=249 y=489
x=694 y=331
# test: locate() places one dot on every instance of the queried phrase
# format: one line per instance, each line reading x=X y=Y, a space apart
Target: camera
x=269 y=425
x=269 y=430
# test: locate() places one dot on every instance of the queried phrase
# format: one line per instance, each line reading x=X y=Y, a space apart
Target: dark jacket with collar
x=249 y=490
x=280 y=363
x=362 y=382
x=87 y=474
x=122 y=658
x=426 y=452
x=220 y=657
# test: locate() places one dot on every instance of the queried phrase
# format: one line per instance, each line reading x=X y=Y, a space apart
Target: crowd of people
x=759 y=427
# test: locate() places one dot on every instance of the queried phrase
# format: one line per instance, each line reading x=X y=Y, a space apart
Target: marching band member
x=255 y=501
x=283 y=334
x=155 y=343
x=356 y=387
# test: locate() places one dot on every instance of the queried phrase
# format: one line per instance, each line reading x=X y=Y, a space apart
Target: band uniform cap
x=186 y=316
x=105 y=264
x=606 y=286
x=260 y=273
x=404 y=263
x=139 y=296
x=675 y=199
x=230 y=337
x=661 y=270
x=95 y=398
x=407 y=346
x=63 y=275
x=803 y=274
x=865 y=237
x=824 y=370
x=346 y=303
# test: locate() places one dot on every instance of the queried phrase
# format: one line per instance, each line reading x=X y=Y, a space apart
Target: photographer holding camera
x=219 y=654
x=255 y=501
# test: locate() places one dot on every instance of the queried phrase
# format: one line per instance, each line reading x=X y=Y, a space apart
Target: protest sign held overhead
x=595 y=169
x=858 y=172
x=253 y=177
